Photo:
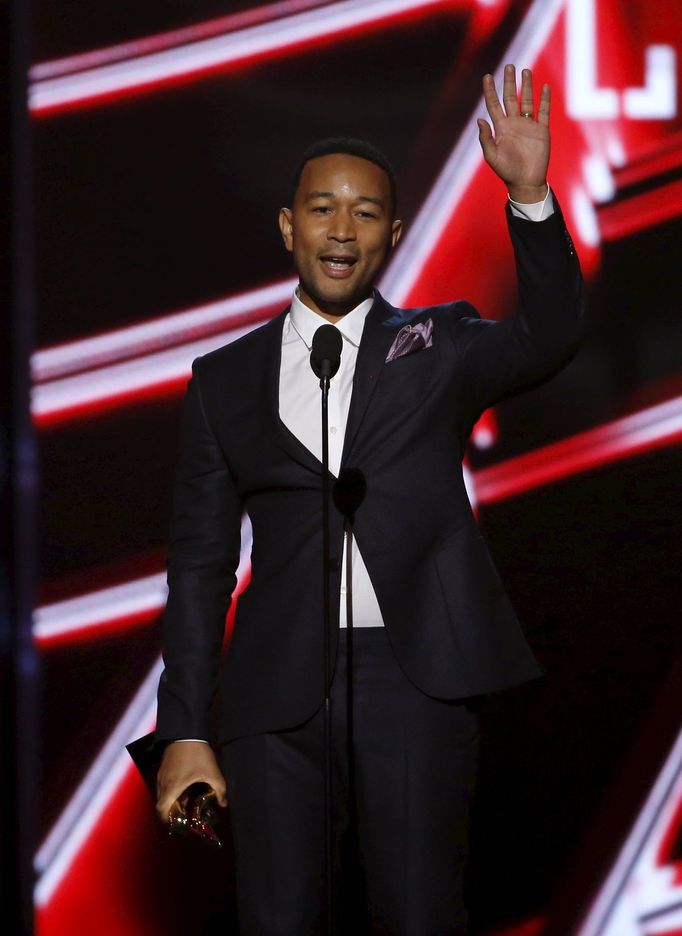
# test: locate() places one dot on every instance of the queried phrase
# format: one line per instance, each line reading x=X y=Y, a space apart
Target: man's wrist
x=528 y=194
x=534 y=211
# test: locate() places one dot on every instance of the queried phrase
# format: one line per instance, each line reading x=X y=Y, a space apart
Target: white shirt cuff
x=537 y=211
x=180 y=740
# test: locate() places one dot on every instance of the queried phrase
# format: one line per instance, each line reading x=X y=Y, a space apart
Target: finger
x=219 y=787
x=485 y=136
x=543 y=107
x=164 y=804
x=527 y=103
x=509 y=96
x=168 y=792
x=492 y=101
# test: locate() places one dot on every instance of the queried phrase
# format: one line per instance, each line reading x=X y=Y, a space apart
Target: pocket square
x=411 y=338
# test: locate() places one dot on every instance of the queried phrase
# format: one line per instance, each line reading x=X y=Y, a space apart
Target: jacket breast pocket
x=409 y=379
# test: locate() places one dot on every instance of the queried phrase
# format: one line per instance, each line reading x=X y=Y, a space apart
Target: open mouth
x=338 y=265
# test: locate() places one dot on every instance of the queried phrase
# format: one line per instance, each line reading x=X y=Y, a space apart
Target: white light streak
x=648 y=426
x=215 y=51
x=106 y=605
x=598 y=178
x=615 y=151
x=584 y=100
x=436 y=211
x=632 y=435
x=637 y=888
x=60 y=848
x=585 y=217
x=157 y=334
x=483 y=437
x=109 y=768
x=143 y=595
x=469 y=485
x=658 y=98
x=104 y=383
x=173 y=38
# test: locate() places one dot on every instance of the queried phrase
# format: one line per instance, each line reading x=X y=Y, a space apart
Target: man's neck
x=330 y=312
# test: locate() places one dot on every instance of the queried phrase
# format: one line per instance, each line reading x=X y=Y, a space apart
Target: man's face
x=340 y=231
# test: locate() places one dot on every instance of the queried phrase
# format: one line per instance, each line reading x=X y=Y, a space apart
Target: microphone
x=325 y=356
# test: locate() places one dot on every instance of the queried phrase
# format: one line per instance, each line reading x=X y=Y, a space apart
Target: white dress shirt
x=300 y=411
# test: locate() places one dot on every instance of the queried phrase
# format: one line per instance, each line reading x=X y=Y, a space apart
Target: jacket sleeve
x=203 y=556
x=501 y=358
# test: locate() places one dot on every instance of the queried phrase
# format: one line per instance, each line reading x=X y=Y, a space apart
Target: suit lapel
x=374 y=344
x=285 y=438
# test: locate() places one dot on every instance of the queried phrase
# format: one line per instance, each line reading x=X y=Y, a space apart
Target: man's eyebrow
x=375 y=200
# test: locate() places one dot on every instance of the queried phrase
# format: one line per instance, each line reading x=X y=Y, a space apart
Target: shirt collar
x=305 y=322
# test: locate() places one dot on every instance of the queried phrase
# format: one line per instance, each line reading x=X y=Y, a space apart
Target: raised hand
x=518 y=152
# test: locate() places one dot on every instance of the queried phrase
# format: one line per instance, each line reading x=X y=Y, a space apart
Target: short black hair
x=351 y=147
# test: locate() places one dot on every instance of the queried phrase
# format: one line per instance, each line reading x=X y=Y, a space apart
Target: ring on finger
x=527 y=114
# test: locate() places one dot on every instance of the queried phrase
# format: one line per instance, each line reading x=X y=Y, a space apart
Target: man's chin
x=337 y=301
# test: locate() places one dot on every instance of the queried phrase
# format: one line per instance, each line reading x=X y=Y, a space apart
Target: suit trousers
x=404 y=767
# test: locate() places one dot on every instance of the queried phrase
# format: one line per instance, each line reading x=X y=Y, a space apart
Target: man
x=433 y=628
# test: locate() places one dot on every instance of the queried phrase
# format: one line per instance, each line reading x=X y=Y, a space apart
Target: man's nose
x=341 y=227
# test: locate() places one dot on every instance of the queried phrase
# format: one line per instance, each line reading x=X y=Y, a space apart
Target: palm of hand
x=520 y=151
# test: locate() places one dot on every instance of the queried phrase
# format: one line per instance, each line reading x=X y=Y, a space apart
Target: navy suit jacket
x=448 y=619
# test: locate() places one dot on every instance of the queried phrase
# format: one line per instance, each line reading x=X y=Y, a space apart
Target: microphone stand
x=325 y=358
x=349 y=492
x=327 y=729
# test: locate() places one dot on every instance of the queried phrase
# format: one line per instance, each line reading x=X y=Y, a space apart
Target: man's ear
x=396 y=231
x=287 y=228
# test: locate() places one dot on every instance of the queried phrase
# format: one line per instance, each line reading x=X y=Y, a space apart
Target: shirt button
x=332 y=429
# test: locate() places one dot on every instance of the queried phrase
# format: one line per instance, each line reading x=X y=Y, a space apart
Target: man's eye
x=322 y=209
x=366 y=214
